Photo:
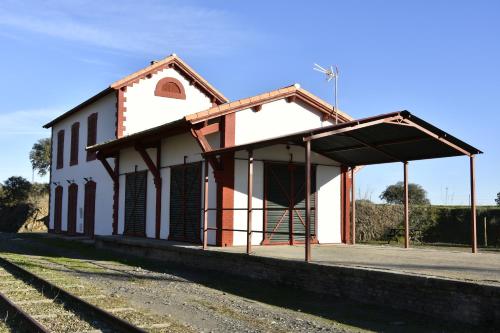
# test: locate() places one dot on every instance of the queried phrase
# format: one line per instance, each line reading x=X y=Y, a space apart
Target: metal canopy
x=393 y=137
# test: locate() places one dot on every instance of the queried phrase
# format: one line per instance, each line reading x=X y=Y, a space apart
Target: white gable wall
x=144 y=110
x=276 y=119
x=106 y=109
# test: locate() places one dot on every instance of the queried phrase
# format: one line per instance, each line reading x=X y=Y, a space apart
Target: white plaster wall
x=328 y=188
x=145 y=110
x=240 y=201
x=105 y=107
x=276 y=119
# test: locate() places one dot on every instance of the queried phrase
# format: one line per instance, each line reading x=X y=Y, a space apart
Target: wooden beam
x=348 y=128
x=249 y=201
x=108 y=168
x=308 y=202
x=209 y=129
x=473 y=204
x=406 y=212
x=149 y=163
x=205 y=207
x=353 y=200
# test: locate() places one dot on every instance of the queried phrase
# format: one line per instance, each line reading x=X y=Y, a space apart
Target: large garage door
x=185 y=203
x=135 y=204
x=284 y=211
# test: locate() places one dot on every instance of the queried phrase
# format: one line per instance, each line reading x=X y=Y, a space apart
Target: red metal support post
x=249 y=201
x=205 y=207
x=406 y=214
x=308 y=201
x=353 y=203
x=473 y=204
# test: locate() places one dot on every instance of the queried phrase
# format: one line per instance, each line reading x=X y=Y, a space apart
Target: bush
x=439 y=224
x=15 y=190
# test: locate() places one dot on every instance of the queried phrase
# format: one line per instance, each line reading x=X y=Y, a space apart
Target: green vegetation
x=394 y=194
x=40 y=156
x=438 y=224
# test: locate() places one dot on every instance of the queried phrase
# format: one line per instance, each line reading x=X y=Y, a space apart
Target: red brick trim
x=120 y=112
x=116 y=195
x=225 y=185
x=171 y=88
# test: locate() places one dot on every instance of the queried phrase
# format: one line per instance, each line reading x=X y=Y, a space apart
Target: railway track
x=30 y=303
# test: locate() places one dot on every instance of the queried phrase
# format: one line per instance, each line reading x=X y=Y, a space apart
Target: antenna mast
x=331 y=74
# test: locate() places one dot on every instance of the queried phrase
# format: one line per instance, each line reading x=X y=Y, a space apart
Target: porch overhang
x=393 y=137
x=146 y=139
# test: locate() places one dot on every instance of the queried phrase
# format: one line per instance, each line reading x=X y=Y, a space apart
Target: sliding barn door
x=135 y=204
x=284 y=210
x=185 y=203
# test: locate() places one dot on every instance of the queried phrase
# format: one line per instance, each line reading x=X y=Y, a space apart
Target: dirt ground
x=203 y=301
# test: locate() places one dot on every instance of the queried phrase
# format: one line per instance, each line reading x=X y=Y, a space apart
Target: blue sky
x=437 y=59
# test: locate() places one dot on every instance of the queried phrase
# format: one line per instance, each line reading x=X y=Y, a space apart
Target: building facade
x=132 y=161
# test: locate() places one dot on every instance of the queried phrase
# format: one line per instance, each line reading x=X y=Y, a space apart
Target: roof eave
x=80 y=106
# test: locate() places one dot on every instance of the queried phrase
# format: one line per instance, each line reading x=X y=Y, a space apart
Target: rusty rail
x=24 y=321
x=73 y=302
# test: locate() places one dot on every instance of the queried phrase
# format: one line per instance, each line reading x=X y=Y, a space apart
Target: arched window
x=171 y=88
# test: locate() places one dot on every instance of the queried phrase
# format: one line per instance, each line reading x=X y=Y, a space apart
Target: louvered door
x=135 y=204
x=185 y=203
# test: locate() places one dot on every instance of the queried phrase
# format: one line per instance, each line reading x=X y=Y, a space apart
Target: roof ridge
x=264 y=97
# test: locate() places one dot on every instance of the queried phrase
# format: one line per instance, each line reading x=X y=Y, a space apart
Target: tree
x=497 y=199
x=394 y=194
x=40 y=156
x=15 y=190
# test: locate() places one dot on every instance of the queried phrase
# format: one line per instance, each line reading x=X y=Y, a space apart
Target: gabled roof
x=172 y=61
x=293 y=91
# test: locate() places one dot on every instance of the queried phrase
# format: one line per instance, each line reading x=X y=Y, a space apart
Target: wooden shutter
x=89 y=209
x=135 y=204
x=58 y=209
x=91 y=135
x=72 y=208
x=60 y=149
x=75 y=131
x=185 y=203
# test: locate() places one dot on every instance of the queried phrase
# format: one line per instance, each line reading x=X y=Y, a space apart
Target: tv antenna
x=331 y=74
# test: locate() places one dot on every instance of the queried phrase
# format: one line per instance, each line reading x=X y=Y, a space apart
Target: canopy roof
x=393 y=137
